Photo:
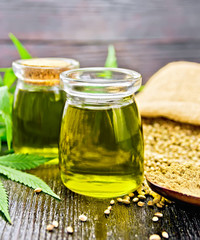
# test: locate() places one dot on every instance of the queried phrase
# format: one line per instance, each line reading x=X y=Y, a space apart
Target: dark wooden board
x=145 y=56
x=146 y=34
x=30 y=214
x=100 y=19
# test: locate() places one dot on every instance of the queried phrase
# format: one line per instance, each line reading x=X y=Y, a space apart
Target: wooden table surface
x=146 y=35
x=30 y=214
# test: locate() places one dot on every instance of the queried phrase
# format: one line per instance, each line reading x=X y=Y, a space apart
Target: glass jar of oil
x=101 y=147
x=38 y=104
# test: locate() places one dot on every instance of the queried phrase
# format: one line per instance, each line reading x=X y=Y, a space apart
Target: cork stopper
x=43 y=71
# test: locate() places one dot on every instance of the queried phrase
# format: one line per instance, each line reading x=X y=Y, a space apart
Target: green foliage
x=27 y=179
x=5 y=113
x=8 y=166
x=24 y=54
x=5 y=69
x=1 y=81
x=22 y=161
x=111 y=60
x=4 y=202
x=8 y=80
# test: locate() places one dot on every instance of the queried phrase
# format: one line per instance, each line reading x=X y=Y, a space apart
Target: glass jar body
x=38 y=104
x=37 y=113
x=101 y=149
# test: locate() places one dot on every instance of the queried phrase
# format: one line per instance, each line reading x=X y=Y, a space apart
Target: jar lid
x=43 y=71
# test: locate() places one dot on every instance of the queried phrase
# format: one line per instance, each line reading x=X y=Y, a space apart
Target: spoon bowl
x=173 y=195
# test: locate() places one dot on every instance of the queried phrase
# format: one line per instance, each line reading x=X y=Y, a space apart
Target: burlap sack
x=173 y=92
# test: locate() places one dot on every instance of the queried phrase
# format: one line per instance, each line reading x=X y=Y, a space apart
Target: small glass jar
x=38 y=104
x=101 y=148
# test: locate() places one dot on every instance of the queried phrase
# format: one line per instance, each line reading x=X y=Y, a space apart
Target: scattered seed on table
x=165 y=235
x=155 y=237
x=131 y=194
x=141 y=197
x=140 y=204
x=107 y=212
x=162 y=203
x=38 y=190
x=158 y=214
x=109 y=208
x=112 y=202
x=70 y=229
x=150 y=203
x=82 y=218
x=127 y=197
x=135 y=199
x=156 y=200
x=55 y=224
x=126 y=201
x=155 y=219
x=159 y=205
x=50 y=227
x=120 y=200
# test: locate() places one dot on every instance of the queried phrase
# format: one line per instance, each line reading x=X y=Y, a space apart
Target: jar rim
x=42 y=71
x=135 y=75
x=100 y=82
x=21 y=63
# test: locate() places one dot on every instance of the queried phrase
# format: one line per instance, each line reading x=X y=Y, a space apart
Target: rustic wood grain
x=145 y=56
x=30 y=214
x=100 y=19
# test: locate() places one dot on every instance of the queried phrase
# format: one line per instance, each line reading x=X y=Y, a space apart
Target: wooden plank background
x=146 y=34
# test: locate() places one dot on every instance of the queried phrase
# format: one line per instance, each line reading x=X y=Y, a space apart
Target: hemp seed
x=140 y=204
x=50 y=227
x=109 y=208
x=141 y=197
x=120 y=200
x=131 y=195
x=165 y=235
x=107 y=212
x=155 y=237
x=55 y=224
x=155 y=219
x=135 y=199
x=82 y=218
x=70 y=229
x=126 y=201
x=38 y=190
x=150 y=203
x=158 y=214
x=159 y=205
x=112 y=202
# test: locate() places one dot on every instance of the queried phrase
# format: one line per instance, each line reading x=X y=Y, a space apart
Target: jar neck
x=37 y=85
x=85 y=102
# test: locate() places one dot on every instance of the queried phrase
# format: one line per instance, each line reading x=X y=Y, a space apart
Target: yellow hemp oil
x=101 y=148
x=101 y=151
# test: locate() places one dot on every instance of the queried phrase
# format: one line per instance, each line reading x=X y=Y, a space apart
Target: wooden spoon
x=173 y=195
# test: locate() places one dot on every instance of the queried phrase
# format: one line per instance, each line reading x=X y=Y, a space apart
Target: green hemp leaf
x=24 y=54
x=111 y=60
x=23 y=161
x=27 y=179
x=9 y=164
x=8 y=80
x=4 y=202
x=5 y=113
